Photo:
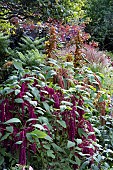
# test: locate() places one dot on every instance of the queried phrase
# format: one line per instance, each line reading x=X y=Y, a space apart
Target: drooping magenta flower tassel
x=22 y=155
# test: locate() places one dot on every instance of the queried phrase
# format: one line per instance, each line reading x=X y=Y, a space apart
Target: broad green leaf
x=79 y=141
x=17 y=91
x=1 y=160
x=80 y=107
x=5 y=136
x=43 y=119
x=18 y=65
x=71 y=161
x=19 y=100
x=56 y=147
x=34 y=103
x=67 y=168
x=39 y=126
x=81 y=132
x=50 y=74
x=29 y=94
x=19 y=142
x=67 y=103
x=50 y=153
x=29 y=137
x=9 y=129
x=78 y=161
x=48 y=138
x=13 y=120
x=35 y=92
x=70 y=144
x=62 y=123
x=38 y=134
x=40 y=111
x=97 y=131
x=46 y=147
x=46 y=106
x=3 y=151
x=41 y=76
x=63 y=107
x=84 y=165
x=31 y=119
x=94 y=167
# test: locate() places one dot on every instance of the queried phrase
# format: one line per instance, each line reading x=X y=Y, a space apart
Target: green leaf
x=9 y=129
x=13 y=120
x=40 y=111
x=35 y=92
x=39 y=126
x=50 y=74
x=79 y=141
x=70 y=144
x=80 y=107
x=41 y=76
x=50 y=153
x=46 y=147
x=18 y=65
x=81 y=132
x=31 y=119
x=34 y=103
x=94 y=167
x=38 y=134
x=63 y=108
x=56 y=147
x=5 y=136
x=3 y=151
x=43 y=119
x=78 y=161
x=84 y=165
x=19 y=142
x=62 y=123
x=67 y=168
x=19 y=100
x=46 y=106
x=1 y=160
x=48 y=138
x=97 y=131
x=17 y=91
x=67 y=103
x=29 y=137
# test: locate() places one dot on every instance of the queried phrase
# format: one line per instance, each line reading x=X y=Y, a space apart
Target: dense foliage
x=42 y=9
x=55 y=93
x=101 y=24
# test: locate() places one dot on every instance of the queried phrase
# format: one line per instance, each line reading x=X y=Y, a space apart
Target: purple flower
x=57 y=101
x=80 y=111
x=49 y=90
x=22 y=155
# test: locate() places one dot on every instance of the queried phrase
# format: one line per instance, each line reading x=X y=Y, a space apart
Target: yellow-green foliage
x=5 y=25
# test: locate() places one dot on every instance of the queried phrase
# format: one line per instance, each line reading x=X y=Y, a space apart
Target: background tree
x=101 y=25
x=41 y=9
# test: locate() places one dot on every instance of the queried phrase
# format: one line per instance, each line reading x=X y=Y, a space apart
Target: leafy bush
x=35 y=115
x=100 y=27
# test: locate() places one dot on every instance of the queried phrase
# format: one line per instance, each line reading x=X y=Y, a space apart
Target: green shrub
x=100 y=27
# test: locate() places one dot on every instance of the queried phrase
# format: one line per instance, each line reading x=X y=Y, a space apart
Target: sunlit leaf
x=70 y=144
x=62 y=123
x=13 y=120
